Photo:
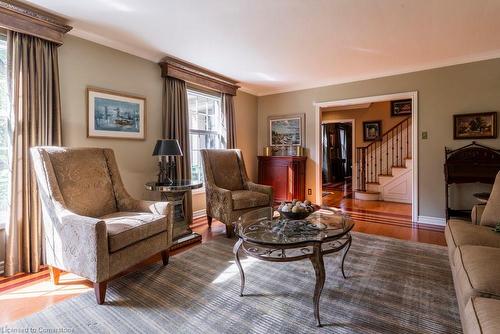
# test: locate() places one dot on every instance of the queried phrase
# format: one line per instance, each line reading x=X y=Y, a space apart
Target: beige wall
x=473 y=87
x=83 y=63
x=378 y=111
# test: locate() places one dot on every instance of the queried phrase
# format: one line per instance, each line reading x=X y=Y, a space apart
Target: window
x=207 y=127
x=4 y=135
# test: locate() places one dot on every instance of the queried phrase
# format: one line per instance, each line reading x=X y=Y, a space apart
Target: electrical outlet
x=309 y=192
x=424 y=135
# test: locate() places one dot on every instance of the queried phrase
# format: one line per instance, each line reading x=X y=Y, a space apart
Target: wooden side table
x=175 y=193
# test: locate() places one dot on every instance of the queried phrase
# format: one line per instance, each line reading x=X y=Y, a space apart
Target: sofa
x=93 y=227
x=474 y=254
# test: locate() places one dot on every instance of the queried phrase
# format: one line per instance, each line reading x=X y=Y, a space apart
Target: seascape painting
x=475 y=126
x=286 y=131
x=115 y=115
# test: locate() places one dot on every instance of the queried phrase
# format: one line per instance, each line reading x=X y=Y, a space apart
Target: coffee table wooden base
x=314 y=251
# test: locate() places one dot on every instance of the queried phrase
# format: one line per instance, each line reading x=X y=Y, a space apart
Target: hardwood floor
x=25 y=294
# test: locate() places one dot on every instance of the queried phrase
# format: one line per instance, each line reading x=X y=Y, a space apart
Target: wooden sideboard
x=286 y=174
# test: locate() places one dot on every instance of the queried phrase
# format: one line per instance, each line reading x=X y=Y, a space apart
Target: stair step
x=385 y=175
x=372 y=183
x=367 y=195
x=399 y=166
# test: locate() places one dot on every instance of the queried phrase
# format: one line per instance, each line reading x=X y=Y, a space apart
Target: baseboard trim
x=199 y=213
x=432 y=220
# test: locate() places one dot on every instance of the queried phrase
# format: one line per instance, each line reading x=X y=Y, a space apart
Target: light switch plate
x=424 y=135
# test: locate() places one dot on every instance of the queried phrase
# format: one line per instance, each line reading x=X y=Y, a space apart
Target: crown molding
x=29 y=20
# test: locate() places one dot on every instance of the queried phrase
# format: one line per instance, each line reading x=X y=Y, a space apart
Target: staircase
x=384 y=167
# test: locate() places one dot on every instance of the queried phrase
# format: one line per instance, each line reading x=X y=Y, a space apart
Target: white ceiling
x=282 y=45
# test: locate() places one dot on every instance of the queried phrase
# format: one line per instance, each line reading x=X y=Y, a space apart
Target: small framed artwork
x=372 y=130
x=115 y=115
x=401 y=107
x=286 y=130
x=475 y=126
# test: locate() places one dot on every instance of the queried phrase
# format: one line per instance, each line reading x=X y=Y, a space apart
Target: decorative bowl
x=297 y=215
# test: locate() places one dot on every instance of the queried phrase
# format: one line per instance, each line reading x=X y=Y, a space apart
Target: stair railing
x=378 y=158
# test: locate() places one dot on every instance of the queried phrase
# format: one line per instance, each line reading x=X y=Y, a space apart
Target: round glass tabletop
x=176 y=185
x=265 y=226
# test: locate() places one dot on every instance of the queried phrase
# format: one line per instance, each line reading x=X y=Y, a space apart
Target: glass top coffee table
x=264 y=235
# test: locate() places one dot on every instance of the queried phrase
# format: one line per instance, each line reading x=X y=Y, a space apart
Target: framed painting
x=372 y=130
x=475 y=126
x=401 y=107
x=115 y=115
x=286 y=130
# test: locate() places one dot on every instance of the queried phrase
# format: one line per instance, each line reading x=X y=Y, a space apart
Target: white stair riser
x=365 y=196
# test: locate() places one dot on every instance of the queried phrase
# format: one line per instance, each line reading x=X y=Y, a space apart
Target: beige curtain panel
x=176 y=126
x=36 y=120
x=228 y=108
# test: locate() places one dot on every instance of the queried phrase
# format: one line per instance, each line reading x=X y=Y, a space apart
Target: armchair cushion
x=491 y=214
x=84 y=181
x=244 y=199
x=127 y=228
x=226 y=169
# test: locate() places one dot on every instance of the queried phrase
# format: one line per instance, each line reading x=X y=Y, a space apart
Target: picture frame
x=372 y=130
x=401 y=107
x=115 y=115
x=475 y=126
x=286 y=130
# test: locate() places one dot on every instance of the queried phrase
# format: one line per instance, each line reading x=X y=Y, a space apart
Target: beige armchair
x=229 y=193
x=93 y=227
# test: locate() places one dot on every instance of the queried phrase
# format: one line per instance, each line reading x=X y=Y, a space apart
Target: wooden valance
x=176 y=68
x=28 y=20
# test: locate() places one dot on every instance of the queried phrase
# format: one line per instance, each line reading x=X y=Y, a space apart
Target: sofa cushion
x=244 y=199
x=482 y=315
x=84 y=181
x=127 y=228
x=491 y=214
x=226 y=169
x=459 y=232
x=477 y=272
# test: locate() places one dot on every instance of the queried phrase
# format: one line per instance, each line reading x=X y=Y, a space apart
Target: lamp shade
x=167 y=147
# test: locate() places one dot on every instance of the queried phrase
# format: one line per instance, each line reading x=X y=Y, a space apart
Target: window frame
x=212 y=96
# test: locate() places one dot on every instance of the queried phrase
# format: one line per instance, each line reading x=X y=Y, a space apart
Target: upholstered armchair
x=93 y=227
x=229 y=193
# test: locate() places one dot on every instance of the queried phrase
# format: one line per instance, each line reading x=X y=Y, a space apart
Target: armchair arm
x=268 y=190
x=477 y=212
x=219 y=201
x=79 y=244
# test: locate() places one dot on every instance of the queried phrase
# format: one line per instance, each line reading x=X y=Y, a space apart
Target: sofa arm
x=80 y=246
x=477 y=212
x=268 y=190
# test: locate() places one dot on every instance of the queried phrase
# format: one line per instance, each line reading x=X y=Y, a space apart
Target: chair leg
x=209 y=221
x=164 y=256
x=229 y=231
x=55 y=273
x=100 y=292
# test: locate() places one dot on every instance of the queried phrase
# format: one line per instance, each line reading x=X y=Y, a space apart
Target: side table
x=175 y=193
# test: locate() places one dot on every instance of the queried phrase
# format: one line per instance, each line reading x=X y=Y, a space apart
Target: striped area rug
x=393 y=286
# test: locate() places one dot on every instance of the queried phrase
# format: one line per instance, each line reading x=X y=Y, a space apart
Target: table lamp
x=167 y=150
